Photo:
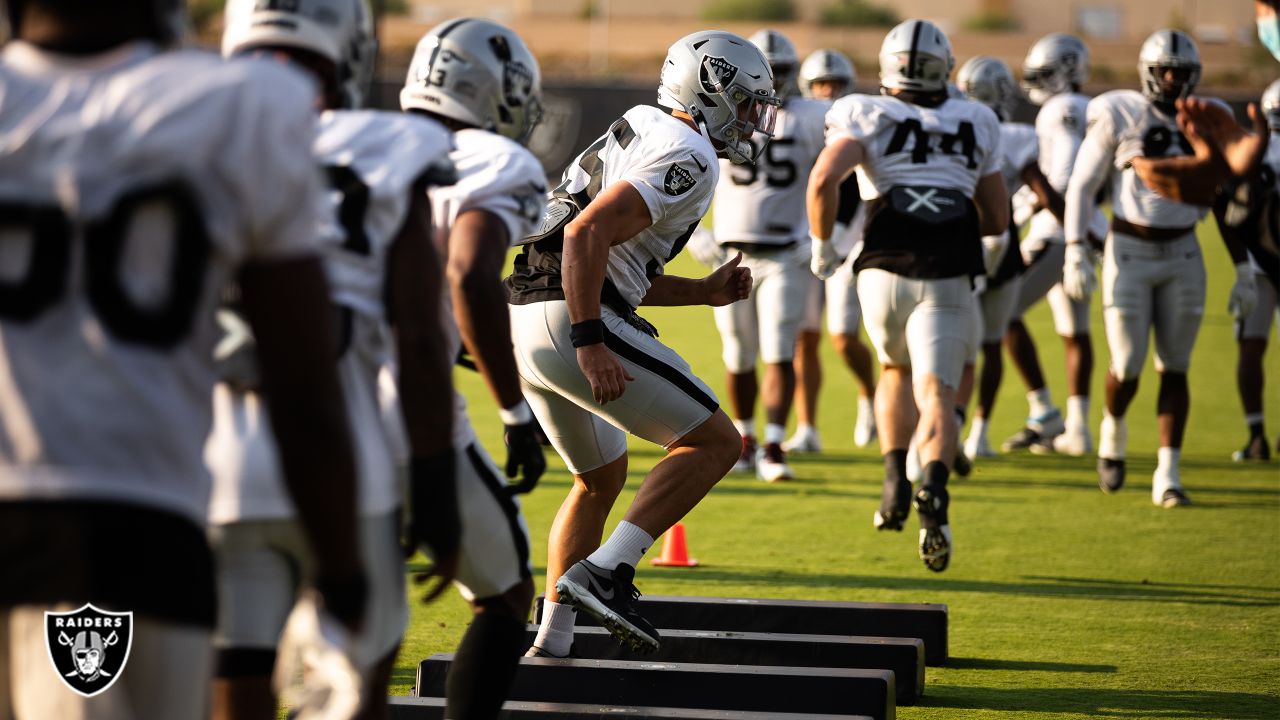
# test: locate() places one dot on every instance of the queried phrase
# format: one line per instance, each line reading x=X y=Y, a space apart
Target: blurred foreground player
x=140 y=181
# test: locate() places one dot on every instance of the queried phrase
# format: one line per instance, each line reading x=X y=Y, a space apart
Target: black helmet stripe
x=1173 y=42
x=915 y=43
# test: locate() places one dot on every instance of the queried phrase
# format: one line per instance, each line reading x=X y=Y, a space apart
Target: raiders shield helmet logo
x=724 y=71
x=88 y=647
x=678 y=181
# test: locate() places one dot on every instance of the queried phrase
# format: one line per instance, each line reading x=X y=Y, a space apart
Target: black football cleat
x=609 y=597
x=1110 y=474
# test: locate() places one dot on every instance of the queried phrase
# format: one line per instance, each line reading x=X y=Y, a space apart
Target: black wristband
x=587 y=332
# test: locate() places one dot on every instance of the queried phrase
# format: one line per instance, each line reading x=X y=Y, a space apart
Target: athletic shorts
x=996 y=307
x=1152 y=286
x=262 y=565
x=839 y=294
x=665 y=402
x=766 y=323
x=1043 y=279
x=166 y=674
x=495 y=539
x=1257 y=326
x=927 y=325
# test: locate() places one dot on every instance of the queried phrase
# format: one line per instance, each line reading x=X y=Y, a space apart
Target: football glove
x=1078 y=275
x=824 y=262
x=524 y=449
x=1244 y=294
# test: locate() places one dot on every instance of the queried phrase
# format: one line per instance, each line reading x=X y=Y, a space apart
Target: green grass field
x=1064 y=602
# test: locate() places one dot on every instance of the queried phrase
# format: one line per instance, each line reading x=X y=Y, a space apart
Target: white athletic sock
x=774 y=433
x=626 y=545
x=1114 y=437
x=978 y=429
x=865 y=405
x=803 y=429
x=555 y=634
x=1040 y=402
x=746 y=426
x=1077 y=413
x=1167 y=474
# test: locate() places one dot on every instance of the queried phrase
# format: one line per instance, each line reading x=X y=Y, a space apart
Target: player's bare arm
x=822 y=198
x=992 y=200
x=478 y=246
x=413 y=300
x=1222 y=149
x=297 y=352
x=728 y=284
x=617 y=215
x=1046 y=196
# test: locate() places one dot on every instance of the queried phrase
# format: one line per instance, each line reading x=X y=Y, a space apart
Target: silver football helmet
x=1271 y=106
x=782 y=58
x=916 y=55
x=990 y=82
x=725 y=84
x=1057 y=63
x=479 y=73
x=340 y=31
x=1171 y=50
x=830 y=66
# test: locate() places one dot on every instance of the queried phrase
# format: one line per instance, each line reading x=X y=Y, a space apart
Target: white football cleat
x=805 y=440
x=771 y=464
x=1076 y=442
x=978 y=446
x=864 y=428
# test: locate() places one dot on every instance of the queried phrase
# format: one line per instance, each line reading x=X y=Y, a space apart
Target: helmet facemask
x=1180 y=83
x=752 y=117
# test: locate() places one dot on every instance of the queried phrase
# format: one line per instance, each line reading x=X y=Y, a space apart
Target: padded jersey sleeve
x=508 y=183
x=676 y=177
x=1092 y=167
x=1059 y=128
x=270 y=161
x=854 y=116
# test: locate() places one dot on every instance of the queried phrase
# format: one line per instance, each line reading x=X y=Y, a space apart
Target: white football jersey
x=764 y=203
x=1123 y=125
x=372 y=161
x=106 y=343
x=1018 y=149
x=950 y=146
x=1060 y=126
x=499 y=176
x=675 y=171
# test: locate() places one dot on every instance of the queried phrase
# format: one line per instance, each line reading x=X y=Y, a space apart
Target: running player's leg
x=894 y=407
x=1071 y=322
x=1179 y=309
x=780 y=296
x=1044 y=421
x=739 y=326
x=939 y=338
x=494 y=574
x=808 y=368
x=1252 y=334
x=1127 y=314
x=844 y=318
x=996 y=306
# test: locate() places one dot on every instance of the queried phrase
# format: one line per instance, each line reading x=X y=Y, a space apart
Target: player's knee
x=1127 y=372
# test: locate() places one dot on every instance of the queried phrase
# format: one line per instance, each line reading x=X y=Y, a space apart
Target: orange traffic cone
x=675 y=551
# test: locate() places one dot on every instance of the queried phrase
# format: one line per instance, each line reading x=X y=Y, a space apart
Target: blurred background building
x=600 y=57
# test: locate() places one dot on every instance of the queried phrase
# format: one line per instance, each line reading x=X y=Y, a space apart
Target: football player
x=479 y=79
x=1054 y=69
x=1253 y=331
x=990 y=82
x=593 y=369
x=1153 y=276
x=929 y=172
x=137 y=180
x=761 y=215
x=382 y=269
x=828 y=75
